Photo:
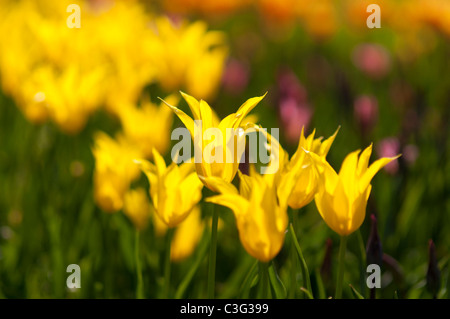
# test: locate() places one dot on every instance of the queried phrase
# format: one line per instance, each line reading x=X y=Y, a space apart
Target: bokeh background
x=322 y=68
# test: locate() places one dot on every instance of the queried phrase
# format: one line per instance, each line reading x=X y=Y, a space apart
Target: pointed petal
x=373 y=169
x=234 y=202
x=363 y=162
x=159 y=162
x=206 y=115
x=186 y=119
x=246 y=108
x=193 y=105
x=219 y=185
x=325 y=147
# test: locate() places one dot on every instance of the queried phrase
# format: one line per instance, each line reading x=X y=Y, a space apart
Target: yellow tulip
x=306 y=179
x=260 y=219
x=187 y=54
x=187 y=236
x=174 y=189
x=137 y=207
x=114 y=170
x=148 y=126
x=227 y=162
x=342 y=198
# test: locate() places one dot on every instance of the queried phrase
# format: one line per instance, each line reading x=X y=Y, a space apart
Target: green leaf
x=355 y=293
x=250 y=281
x=188 y=278
x=276 y=283
x=303 y=265
x=307 y=292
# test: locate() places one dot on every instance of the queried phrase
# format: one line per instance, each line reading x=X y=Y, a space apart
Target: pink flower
x=235 y=77
x=389 y=147
x=293 y=117
x=293 y=107
x=372 y=59
x=366 y=112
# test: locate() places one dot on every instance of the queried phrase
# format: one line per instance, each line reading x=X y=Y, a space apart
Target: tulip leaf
x=307 y=292
x=303 y=265
x=355 y=293
x=276 y=283
x=249 y=281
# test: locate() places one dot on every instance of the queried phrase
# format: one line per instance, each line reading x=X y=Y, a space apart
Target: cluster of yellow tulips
x=121 y=47
x=260 y=205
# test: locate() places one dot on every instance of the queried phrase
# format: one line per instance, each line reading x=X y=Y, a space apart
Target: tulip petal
x=245 y=108
x=363 y=162
x=373 y=169
x=159 y=162
x=348 y=173
x=206 y=115
x=325 y=146
x=218 y=185
x=186 y=119
x=193 y=105
x=236 y=203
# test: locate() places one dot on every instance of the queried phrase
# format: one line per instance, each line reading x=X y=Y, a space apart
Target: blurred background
x=321 y=66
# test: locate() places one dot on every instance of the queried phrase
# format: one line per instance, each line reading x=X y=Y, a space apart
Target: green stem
x=340 y=279
x=167 y=262
x=212 y=254
x=140 y=283
x=264 y=275
x=188 y=278
x=362 y=254
x=304 y=266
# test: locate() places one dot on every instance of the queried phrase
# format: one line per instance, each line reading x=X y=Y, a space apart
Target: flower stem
x=212 y=254
x=167 y=263
x=264 y=277
x=340 y=279
x=140 y=283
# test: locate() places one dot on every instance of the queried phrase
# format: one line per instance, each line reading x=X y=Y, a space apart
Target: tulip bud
x=374 y=252
x=433 y=273
x=325 y=270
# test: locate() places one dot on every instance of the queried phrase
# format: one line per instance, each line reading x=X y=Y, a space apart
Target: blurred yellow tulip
x=137 y=207
x=148 y=126
x=187 y=235
x=342 y=198
x=114 y=170
x=260 y=219
x=187 y=54
x=225 y=162
x=174 y=189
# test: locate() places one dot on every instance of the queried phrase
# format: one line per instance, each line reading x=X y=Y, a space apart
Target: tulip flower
x=187 y=54
x=137 y=207
x=187 y=236
x=135 y=122
x=342 y=198
x=260 y=219
x=174 y=189
x=205 y=118
x=307 y=179
x=114 y=170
